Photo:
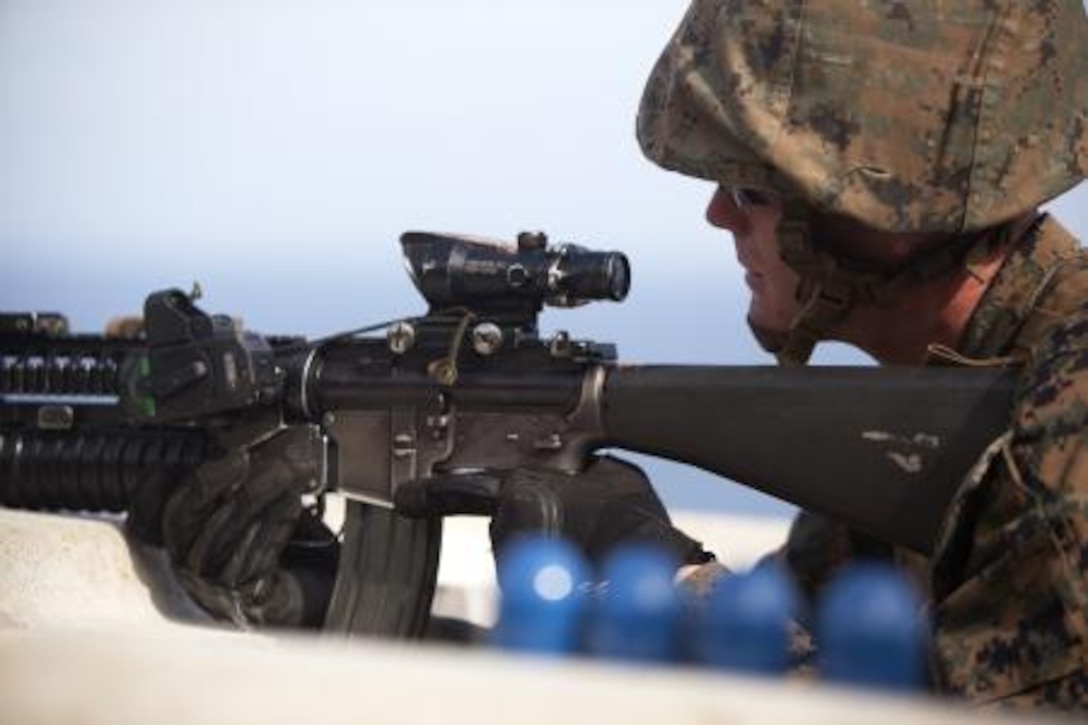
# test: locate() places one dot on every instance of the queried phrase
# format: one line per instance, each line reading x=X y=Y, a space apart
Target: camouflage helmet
x=906 y=116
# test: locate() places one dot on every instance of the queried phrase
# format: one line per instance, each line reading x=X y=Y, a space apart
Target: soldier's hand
x=226 y=527
x=610 y=503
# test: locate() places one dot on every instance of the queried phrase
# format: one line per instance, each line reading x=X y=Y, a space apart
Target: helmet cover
x=906 y=116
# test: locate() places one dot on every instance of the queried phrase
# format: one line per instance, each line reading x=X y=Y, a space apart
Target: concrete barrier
x=72 y=571
x=93 y=630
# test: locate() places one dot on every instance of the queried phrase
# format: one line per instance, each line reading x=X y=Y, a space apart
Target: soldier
x=880 y=167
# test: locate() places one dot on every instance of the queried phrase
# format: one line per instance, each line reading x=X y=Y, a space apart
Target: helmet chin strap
x=828 y=289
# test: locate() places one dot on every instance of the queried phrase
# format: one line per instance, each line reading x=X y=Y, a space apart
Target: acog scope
x=452 y=270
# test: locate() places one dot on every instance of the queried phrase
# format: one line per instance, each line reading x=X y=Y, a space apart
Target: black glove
x=610 y=503
x=226 y=527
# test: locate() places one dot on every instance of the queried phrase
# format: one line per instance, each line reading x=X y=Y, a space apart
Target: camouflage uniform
x=1009 y=579
x=946 y=117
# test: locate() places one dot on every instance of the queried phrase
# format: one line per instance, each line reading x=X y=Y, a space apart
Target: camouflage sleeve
x=1009 y=585
x=1068 y=693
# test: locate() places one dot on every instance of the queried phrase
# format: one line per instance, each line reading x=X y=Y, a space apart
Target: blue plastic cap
x=636 y=613
x=871 y=631
x=543 y=583
x=747 y=620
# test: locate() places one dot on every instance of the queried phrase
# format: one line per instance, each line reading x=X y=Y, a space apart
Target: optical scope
x=453 y=270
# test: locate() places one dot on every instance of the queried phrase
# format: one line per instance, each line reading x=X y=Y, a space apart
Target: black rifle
x=471 y=387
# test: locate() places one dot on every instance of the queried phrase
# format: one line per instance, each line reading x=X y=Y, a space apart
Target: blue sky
x=274 y=150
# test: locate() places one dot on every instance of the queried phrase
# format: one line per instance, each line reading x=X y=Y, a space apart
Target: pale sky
x=274 y=150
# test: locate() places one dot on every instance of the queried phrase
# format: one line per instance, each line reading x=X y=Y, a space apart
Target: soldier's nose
x=723 y=212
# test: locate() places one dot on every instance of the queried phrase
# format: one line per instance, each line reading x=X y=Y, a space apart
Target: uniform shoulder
x=1053 y=389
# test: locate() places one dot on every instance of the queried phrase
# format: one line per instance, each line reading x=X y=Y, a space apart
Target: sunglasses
x=747 y=198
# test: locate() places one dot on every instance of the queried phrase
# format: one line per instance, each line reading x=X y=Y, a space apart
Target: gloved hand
x=610 y=503
x=226 y=527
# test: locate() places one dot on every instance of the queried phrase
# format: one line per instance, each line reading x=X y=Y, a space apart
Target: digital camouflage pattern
x=907 y=116
x=1010 y=577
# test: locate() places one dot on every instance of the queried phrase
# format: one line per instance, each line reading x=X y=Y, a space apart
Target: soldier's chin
x=771 y=341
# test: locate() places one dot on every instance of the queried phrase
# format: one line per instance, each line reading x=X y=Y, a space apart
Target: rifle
x=471 y=387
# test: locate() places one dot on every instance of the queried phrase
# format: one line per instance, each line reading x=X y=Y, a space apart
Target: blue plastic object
x=746 y=623
x=636 y=613
x=543 y=584
x=870 y=631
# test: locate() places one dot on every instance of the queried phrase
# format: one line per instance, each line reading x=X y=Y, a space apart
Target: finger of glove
x=183 y=522
x=607 y=478
x=281 y=604
x=217 y=478
x=447 y=495
x=198 y=543
x=531 y=501
x=234 y=549
x=632 y=520
x=239 y=581
x=202 y=536
x=256 y=554
x=201 y=493
x=609 y=503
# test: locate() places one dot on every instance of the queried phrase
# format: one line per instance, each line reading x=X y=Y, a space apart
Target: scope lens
x=586 y=275
x=619 y=275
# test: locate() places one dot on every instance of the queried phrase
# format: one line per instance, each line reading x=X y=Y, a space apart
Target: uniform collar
x=996 y=326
